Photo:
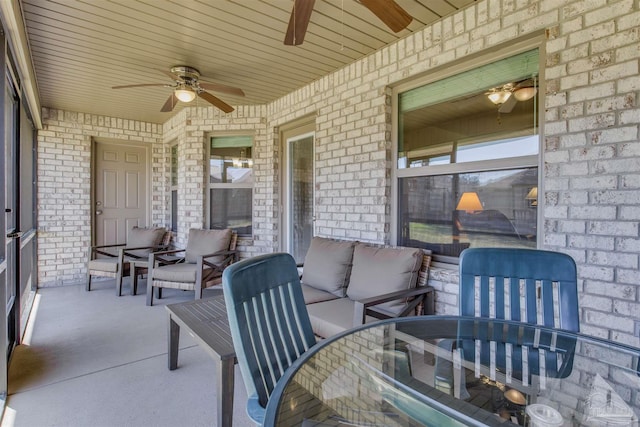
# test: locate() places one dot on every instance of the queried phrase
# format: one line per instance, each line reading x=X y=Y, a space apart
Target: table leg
x=174 y=341
x=224 y=392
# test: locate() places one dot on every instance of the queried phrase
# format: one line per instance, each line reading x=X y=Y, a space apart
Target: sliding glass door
x=298 y=190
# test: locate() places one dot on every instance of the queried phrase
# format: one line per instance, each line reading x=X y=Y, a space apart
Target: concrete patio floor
x=95 y=359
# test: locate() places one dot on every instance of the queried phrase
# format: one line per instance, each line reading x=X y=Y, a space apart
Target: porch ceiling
x=80 y=49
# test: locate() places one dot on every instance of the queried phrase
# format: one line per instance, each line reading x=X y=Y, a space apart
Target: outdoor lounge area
x=115 y=354
x=151 y=147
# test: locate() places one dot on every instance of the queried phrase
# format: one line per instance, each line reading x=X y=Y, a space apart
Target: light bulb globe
x=185 y=95
x=499 y=97
x=525 y=93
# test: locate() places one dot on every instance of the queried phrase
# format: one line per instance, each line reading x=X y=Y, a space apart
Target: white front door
x=120 y=189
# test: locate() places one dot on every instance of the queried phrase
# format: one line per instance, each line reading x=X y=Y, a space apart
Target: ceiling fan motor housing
x=185 y=74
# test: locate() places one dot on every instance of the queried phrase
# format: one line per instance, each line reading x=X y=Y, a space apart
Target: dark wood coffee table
x=206 y=321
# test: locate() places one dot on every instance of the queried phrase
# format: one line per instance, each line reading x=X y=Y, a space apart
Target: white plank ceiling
x=80 y=49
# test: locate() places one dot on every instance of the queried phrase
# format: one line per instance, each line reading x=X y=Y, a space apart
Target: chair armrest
x=108 y=246
x=361 y=306
x=166 y=257
x=127 y=251
x=230 y=257
x=392 y=296
x=219 y=253
x=170 y=252
x=103 y=250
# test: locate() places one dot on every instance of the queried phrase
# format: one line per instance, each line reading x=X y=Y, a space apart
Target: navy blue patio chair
x=268 y=320
x=524 y=285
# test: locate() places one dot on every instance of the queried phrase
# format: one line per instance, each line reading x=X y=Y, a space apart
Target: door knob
x=98 y=212
x=14 y=234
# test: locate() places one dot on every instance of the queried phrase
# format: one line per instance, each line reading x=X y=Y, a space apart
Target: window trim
x=478 y=166
x=470 y=62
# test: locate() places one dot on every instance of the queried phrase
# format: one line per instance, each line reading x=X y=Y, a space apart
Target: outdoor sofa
x=347 y=283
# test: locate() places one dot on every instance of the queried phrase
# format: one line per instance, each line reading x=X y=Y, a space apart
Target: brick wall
x=191 y=129
x=64 y=187
x=590 y=141
x=591 y=154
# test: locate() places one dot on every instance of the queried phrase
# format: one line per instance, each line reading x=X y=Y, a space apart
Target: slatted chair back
x=268 y=320
x=525 y=285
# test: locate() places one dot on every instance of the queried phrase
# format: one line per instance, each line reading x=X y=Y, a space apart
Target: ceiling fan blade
x=298 y=22
x=217 y=102
x=170 y=103
x=508 y=105
x=390 y=13
x=216 y=87
x=139 y=85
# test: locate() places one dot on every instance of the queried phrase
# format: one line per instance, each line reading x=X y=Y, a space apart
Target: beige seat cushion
x=378 y=271
x=183 y=272
x=332 y=317
x=313 y=295
x=140 y=237
x=327 y=265
x=205 y=242
x=109 y=265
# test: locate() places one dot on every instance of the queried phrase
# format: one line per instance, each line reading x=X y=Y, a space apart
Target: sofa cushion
x=378 y=271
x=332 y=317
x=140 y=237
x=327 y=265
x=206 y=242
x=313 y=295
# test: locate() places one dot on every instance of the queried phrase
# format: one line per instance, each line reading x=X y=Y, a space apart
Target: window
x=174 y=187
x=231 y=183
x=467 y=170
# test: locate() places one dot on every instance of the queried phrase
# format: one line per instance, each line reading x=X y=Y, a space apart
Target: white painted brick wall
x=590 y=134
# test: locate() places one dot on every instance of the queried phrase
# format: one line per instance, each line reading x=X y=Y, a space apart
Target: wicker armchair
x=200 y=266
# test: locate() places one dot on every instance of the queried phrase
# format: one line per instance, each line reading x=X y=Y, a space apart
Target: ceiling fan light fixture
x=185 y=95
x=525 y=93
x=499 y=96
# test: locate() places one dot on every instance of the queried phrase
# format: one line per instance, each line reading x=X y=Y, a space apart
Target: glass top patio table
x=458 y=371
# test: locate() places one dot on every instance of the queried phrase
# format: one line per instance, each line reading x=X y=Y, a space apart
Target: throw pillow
x=379 y=271
x=327 y=265
x=206 y=242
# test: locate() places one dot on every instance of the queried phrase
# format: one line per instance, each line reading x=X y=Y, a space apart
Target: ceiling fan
x=508 y=95
x=187 y=85
x=389 y=12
